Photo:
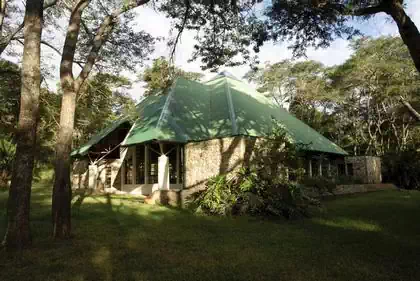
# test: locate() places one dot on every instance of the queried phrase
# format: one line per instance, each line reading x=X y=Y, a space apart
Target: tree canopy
x=161 y=75
x=355 y=104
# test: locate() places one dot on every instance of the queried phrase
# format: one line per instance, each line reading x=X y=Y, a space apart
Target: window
x=350 y=171
x=129 y=168
x=341 y=169
x=140 y=169
x=153 y=162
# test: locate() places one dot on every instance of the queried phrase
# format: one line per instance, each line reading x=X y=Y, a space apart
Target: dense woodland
x=366 y=105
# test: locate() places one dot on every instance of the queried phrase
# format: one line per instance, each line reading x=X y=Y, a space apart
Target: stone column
x=163 y=172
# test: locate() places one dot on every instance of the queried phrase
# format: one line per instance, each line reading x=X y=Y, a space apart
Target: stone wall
x=206 y=159
x=367 y=169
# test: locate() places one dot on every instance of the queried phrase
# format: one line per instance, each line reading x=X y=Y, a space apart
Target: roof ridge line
x=166 y=105
x=231 y=108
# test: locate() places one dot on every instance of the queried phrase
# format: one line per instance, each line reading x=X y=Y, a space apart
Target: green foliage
x=300 y=87
x=321 y=184
x=103 y=98
x=161 y=75
x=263 y=188
x=402 y=168
x=219 y=198
x=9 y=97
x=377 y=233
x=7 y=154
x=356 y=104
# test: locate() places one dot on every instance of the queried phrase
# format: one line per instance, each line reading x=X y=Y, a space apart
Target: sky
x=156 y=24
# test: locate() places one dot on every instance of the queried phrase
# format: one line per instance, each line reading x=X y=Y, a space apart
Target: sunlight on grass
x=371 y=237
x=351 y=224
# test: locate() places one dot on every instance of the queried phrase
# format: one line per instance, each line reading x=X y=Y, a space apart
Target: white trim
x=134 y=163
x=146 y=189
x=132 y=127
x=165 y=112
x=178 y=163
x=146 y=163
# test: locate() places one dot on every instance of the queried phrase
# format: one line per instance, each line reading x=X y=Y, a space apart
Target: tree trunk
x=408 y=30
x=61 y=201
x=2 y=13
x=18 y=235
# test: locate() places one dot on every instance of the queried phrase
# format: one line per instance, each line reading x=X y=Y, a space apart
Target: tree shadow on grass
x=120 y=239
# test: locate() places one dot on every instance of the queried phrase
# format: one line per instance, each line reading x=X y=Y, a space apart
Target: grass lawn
x=373 y=236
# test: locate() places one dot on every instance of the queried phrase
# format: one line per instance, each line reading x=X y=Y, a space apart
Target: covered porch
x=152 y=166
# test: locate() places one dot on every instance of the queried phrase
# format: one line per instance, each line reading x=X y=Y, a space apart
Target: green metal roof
x=221 y=107
x=83 y=150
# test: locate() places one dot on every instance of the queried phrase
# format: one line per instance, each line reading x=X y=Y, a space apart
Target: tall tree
x=161 y=75
x=229 y=31
x=110 y=20
x=18 y=233
x=101 y=100
x=316 y=23
x=371 y=83
x=12 y=21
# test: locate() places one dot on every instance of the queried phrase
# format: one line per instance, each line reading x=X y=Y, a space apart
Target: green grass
x=373 y=236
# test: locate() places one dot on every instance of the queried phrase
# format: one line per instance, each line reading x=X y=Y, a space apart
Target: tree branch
x=50 y=46
x=7 y=39
x=412 y=111
x=369 y=10
x=2 y=13
x=181 y=29
x=49 y=3
x=69 y=50
x=101 y=37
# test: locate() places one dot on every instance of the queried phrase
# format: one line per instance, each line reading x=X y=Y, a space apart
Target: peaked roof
x=221 y=107
x=82 y=150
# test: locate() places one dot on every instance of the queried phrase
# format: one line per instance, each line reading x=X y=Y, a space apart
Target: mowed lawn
x=373 y=236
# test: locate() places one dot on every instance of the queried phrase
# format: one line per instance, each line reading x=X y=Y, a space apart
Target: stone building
x=195 y=131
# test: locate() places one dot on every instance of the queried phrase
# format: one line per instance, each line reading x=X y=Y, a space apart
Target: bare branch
x=181 y=29
x=412 y=111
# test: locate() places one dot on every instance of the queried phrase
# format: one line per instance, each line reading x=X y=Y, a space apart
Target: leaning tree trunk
x=18 y=235
x=61 y=201
x=408 y=30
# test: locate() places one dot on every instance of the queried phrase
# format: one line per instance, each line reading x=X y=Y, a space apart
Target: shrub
x=402 y=168
x=262 y=189
x=7 y=154
x=219 y=197
x=321 y=184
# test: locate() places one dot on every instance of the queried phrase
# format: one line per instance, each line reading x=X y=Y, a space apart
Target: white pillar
x=93 y=174
x=310 y=168
x=146 y=164
x=134 y=164
x=163 y=172
x=178 y=163
x=329 y=167
x=320 y=167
